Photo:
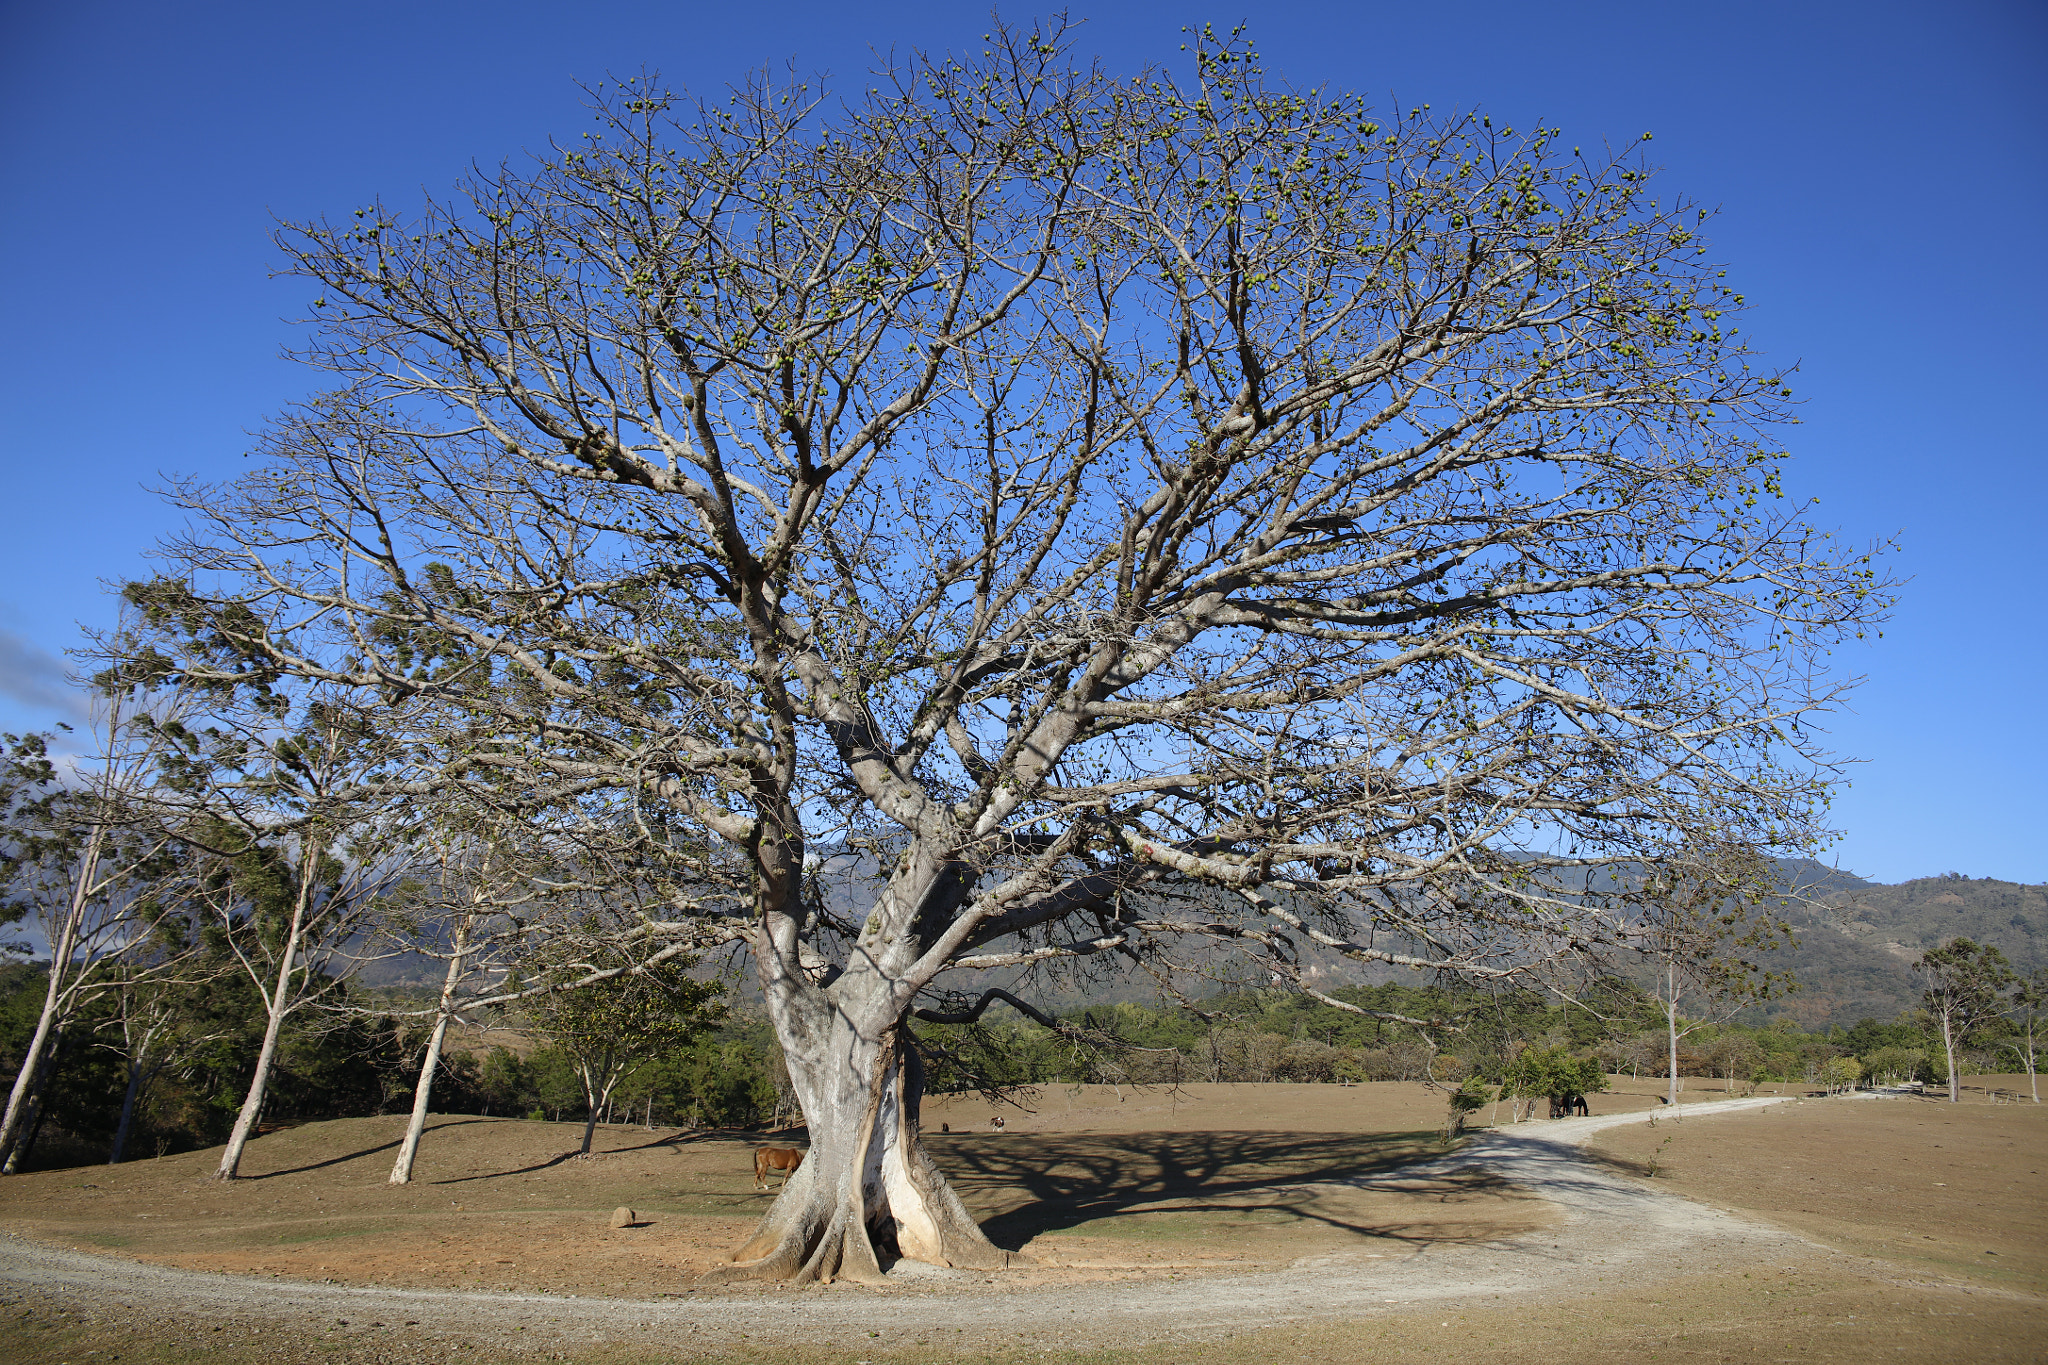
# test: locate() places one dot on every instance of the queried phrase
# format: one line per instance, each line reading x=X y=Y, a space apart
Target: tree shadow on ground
x=1026 y=1186
x=672 y=1140
x=390 y=1146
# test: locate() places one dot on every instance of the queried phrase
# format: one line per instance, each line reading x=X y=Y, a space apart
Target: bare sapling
x=1709 y=917
x=2028 y=1000
x=152 y=1030
x=612 y=1027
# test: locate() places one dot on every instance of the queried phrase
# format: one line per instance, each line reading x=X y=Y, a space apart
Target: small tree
x=1964 y=985
x=611 y=1027
x=1553 y=1074
x=1840 y=1073
x=1644 y=1049
x=1708 y=924
x=155 y=1023
x=1464 y=1101
x=1734 y=1054
x=83 y=857
x=306 y=841
x=461 y=909
x=1894 y=1065
x=2029 y=999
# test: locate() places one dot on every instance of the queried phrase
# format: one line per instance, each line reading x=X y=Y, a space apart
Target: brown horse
x=784 y=1159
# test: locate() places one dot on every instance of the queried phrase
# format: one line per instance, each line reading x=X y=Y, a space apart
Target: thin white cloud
x=34 y=677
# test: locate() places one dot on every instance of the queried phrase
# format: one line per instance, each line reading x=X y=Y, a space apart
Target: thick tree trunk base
x=866 y=1196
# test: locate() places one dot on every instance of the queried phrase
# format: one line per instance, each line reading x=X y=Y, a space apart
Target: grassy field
x=1934 y=1214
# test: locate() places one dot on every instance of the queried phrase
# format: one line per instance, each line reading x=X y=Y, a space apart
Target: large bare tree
x=1132 y=512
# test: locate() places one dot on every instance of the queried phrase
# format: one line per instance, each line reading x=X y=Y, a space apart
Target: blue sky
x=1880 y=170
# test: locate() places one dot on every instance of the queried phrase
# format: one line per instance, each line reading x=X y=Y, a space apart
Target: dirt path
x=1613 y=1227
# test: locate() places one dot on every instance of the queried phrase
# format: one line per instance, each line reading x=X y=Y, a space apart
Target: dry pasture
x=1213 y=1177
x=1931 y=1236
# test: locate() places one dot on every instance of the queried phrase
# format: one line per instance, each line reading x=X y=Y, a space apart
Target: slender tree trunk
x=24 y=1100
x=1671 y=1026
x=422 y=1096
x=280 y=999
x=56 y=999
x=423 y=1093
x=39 y=1112
x=141 y=1070
x=1948 y=1047
x=138 y=1075
x=32 y=1128
x=259 y=1086
x=593 y=1100
x=127 y=1115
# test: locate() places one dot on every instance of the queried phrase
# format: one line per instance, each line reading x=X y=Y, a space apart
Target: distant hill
x=1907 y=919
x=1858 y=939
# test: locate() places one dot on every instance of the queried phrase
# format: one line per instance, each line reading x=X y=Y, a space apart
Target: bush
x=1841 y=1073
x=1553 y=1073
x=1896 y=1065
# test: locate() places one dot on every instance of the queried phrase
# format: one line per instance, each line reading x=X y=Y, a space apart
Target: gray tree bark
x=867 y=1193
x=23 y=1099
x=423 y=1092
x=280 y=1004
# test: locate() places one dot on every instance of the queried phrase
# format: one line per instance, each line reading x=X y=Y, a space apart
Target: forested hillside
x=1857 y=939
x=1911 y=917
x=1856 y=942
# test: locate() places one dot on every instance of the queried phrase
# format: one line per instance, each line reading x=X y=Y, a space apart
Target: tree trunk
x=22 y=1101
x=867 y=1193
x=138 y=1072
x=32 y=1126
x=280 y=1005
x=266 y=1058
x=593 y=1101
x=1671 y=1025
x=35 y=1068
x=141 y=1070
x=1948 y=1047
x=31 y=1121
x=423 y=1093
x=259 y=1085
x=422 y=1096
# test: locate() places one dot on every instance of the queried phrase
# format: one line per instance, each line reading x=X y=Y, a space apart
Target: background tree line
x=351 y=1062
x=362 y=1056
x=1280 y=1035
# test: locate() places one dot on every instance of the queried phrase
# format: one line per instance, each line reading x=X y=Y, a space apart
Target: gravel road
x=1612 y=1226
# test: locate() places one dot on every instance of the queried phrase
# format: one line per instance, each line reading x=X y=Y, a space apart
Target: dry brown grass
x=1911 y=1193
x=1953 y=1190
x=1218 y=1177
